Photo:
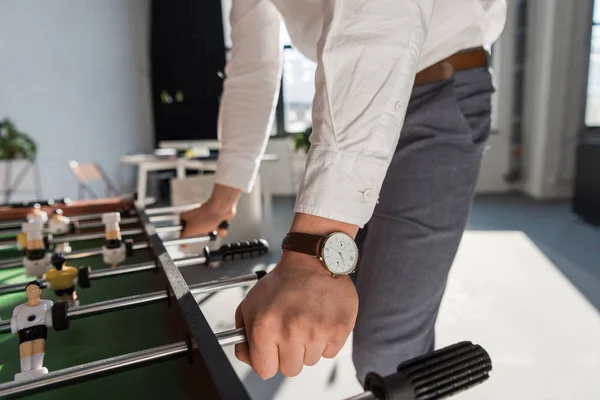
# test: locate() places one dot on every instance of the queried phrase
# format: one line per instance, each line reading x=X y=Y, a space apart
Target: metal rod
x=164 y=218
x=78 y=254
x=75 y=255
x=171 y=209
x=149 y=298
x=125 y=270
x=95 y=369
x=107 y=272
x=8 y=245
x=231 y=337
x=89 y=225
x=10 y=224
x=12 y=263
x=368 y=395
x=113 y=305
x=109 y=366
x=96 y=235
x=16 y=223
x=89 y=236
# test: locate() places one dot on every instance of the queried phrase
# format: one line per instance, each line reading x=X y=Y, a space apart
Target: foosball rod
x=96 y=235
x=153 y=212
x=76 y=255
x=227 y=251
x=76 y=227
x=434 y=376
x=140 y=300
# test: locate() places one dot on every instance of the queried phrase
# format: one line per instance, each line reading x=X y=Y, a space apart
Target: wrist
x=292 y=260
x=306 y=223
x=223 y=201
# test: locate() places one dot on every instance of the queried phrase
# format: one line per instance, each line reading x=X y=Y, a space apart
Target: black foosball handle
x=434 y=376
x=241 y=250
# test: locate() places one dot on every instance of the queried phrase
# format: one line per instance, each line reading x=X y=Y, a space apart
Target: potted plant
x=17 y=154
x=15 y=144
x=302 y=140
x=301 y=147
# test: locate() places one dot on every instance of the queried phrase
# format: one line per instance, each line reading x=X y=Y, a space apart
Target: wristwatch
x=337 y=251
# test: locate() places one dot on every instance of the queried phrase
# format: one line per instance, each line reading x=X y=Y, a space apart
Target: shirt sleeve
x=250 y=91
x=367 y=59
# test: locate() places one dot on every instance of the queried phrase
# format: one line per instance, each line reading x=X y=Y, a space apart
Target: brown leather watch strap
x=303 y=243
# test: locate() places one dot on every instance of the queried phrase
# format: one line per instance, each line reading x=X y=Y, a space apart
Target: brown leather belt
x=457 y=62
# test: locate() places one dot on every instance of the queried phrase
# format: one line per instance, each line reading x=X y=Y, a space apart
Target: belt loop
x=488 y=57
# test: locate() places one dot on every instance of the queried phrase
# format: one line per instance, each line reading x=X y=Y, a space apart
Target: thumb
x=242 y=351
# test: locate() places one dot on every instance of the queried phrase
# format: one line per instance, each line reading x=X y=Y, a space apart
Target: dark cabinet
x=586 y=199
x=187 y=53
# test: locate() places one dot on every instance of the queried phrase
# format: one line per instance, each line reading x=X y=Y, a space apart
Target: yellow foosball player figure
x=62 y=279
x=115 y=250
x=59 y=224
x=31 y=321
x=37 y=259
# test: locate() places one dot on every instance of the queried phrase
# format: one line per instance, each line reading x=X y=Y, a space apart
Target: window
x=592 y=110
x=298 y=87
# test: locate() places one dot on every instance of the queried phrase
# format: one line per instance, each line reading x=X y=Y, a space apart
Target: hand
x=221 y=206
x=295 y=315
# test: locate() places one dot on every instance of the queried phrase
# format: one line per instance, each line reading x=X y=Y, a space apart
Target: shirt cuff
x=237 y=171
x=340 y=186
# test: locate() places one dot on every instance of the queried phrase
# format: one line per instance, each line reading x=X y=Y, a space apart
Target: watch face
x=340 y=253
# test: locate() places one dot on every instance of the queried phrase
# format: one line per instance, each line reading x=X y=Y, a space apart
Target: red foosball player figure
x=37 y=259
x=62 y=279
x=59 y=224
x=115 y=250
x=31 y=321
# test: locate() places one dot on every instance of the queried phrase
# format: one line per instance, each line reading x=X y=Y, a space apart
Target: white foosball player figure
x=59 y=224
x=31 y=321
x=115 y=250
x=37 y=214
x=37 y=260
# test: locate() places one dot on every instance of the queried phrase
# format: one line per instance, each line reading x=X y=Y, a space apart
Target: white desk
x=148 y=162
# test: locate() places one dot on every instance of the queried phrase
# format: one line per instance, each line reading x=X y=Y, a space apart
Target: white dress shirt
x=368 y=52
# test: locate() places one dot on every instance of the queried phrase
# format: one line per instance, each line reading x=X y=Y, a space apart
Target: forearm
x=249 y=92
x=367 y=62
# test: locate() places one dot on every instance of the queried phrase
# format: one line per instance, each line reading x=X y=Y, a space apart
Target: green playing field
x=98 y=337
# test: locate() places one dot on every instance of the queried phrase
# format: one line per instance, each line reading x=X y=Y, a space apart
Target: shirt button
x=367 y=194
x=398 y=106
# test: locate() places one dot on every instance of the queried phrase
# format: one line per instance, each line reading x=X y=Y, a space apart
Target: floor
x=525 y=285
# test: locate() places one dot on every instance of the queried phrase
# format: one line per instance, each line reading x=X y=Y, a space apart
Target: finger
x=291 y=358
x=222 y=232
x=332 y=349
x=264 y=353
x=241 y=350
x=313 y=352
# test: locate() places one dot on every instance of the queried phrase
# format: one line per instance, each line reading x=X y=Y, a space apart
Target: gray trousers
x=409 y=244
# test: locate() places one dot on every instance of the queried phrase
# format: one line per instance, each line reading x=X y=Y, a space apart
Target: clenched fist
x=295 y=315
x=221 y=206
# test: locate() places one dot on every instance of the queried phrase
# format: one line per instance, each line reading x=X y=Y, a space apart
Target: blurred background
x=114 y=97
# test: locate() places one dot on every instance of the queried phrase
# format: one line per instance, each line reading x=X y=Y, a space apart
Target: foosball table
x=121 y=321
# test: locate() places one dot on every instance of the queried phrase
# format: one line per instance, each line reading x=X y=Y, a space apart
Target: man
x=391 y=148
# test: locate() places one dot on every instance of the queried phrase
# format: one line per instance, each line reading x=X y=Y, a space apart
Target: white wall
x=555 y=75
x=496 y=159
x=75 y=75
